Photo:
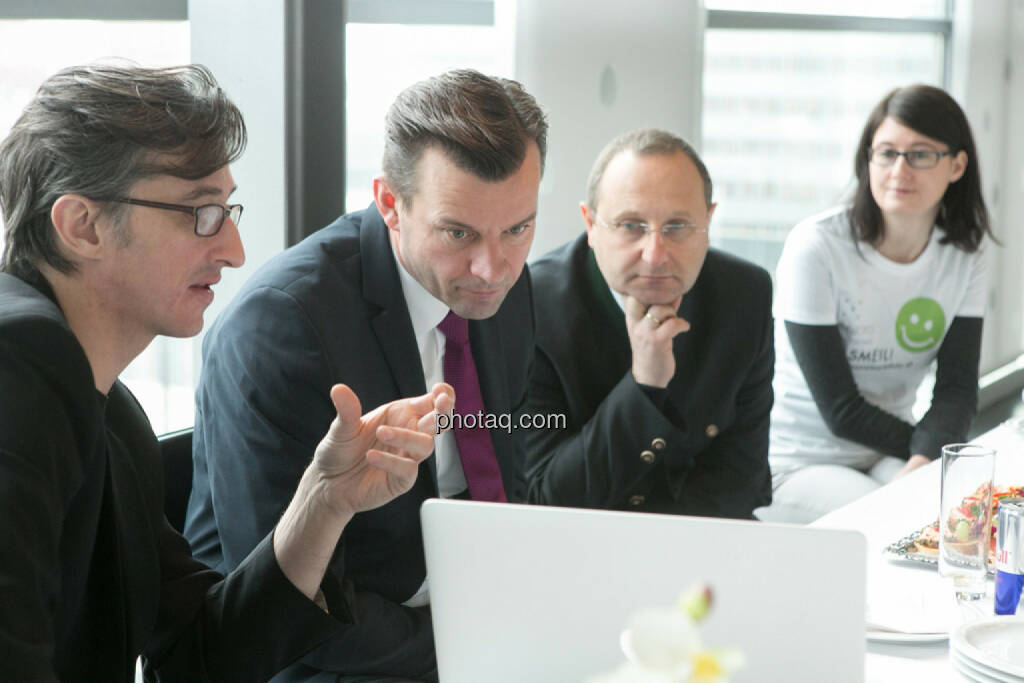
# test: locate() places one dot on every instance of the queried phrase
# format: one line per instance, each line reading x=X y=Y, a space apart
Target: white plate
x=980 y=671
x=994 y=642
x=971 y=675
x=900 y=637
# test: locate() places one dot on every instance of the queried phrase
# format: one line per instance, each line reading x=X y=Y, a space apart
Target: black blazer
x=329 y=310
x=705 y=451
x=91 y=573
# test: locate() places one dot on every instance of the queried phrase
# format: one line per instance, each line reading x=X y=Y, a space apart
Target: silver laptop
x=532 y=594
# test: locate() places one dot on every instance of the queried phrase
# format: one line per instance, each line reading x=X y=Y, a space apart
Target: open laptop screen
x=532 y=593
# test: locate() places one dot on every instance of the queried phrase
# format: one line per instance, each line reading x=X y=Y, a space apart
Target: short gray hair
x=644 y=142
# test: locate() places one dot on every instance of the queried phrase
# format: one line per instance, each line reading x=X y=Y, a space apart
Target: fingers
x=424 y=403
x=413 y=425
x=673 y=326
x=634 y=309
x=442 y=391
x=444 y=404
x=403 y=470
x=657 y=314
x=417 y=445
x=658 y=322
x=349 y=410
x=401 y=467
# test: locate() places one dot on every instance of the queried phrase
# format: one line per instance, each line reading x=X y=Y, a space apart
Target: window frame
x=785 y=21
x=102 y=10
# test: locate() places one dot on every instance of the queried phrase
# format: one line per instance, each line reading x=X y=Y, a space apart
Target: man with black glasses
x=115 y=189
x=657 y=348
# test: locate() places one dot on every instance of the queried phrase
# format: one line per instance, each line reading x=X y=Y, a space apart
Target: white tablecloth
x=903 y=595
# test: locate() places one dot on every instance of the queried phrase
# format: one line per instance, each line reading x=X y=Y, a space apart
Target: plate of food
x=922 y=545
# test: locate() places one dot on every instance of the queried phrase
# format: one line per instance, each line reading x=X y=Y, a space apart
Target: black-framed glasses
x=208 y=218
x=916 y=158
x=634 y=231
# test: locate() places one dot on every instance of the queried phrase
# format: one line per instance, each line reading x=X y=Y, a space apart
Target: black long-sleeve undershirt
x=821 y=356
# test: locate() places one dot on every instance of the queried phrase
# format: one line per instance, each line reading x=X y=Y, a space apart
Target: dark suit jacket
x=330 y=310
x=91 y=573
x=705 y=451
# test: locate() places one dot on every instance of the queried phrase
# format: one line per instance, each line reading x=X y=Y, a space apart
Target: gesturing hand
x=364 y=462
x=651 y=330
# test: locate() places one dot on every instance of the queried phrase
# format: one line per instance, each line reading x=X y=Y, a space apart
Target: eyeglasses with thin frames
x=208 y=218
x=633 y=231
x=916 y=158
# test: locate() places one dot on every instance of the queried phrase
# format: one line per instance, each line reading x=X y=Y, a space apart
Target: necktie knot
x=454 y=328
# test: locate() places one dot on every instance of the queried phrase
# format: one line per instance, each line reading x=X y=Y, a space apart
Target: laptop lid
x=534 y=593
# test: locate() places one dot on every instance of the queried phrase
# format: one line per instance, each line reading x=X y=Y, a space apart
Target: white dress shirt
x=619 y=299
x=426 y=312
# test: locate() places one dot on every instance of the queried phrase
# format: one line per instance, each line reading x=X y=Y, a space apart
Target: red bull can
x=1009 y=555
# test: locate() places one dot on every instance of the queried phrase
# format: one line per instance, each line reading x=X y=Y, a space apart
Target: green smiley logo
x=920 y=324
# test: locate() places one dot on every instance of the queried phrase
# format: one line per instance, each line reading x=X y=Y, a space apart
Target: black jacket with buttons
x=698 y=447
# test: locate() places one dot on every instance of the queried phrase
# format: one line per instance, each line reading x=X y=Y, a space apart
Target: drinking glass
x=965 y=517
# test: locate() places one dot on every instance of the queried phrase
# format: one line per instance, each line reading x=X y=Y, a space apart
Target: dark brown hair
x=95 y=130
x=930 y=111
x=484 y=124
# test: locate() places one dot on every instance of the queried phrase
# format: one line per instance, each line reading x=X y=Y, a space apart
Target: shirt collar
x=618 y=297
x=425 y=311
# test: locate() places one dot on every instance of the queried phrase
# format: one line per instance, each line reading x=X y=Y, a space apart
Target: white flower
x=664 y=646
x=661 y=640
x=634 y=673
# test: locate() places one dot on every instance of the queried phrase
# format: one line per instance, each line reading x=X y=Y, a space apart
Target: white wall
x=989 y=36
x=600 y=69
x=243 y=43
x=1010 y=230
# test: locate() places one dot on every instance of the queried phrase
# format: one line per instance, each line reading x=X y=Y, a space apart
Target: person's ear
x=386 y=199
x=959 y=166
x=75 y=219
x=711 y=213
x=588 y=222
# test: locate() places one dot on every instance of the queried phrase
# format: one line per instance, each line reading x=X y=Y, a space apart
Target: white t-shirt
x=892 y=318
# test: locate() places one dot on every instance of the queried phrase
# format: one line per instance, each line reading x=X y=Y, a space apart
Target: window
x=161 y=377
x=928 y=9
x=783 y=111
x=786 y=95
x=414 y=52
x=783 y=108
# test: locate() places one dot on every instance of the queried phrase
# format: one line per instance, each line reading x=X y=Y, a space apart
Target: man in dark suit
x=115 y=187
x=656 y=348
x=380 y=299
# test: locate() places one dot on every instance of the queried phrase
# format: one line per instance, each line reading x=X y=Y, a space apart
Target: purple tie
x=479 y=464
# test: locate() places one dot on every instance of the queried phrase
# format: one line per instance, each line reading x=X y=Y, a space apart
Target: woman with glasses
x=867 y=296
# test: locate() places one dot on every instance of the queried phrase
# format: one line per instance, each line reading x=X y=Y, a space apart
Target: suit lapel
x=603 y=315
x=391 y=324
